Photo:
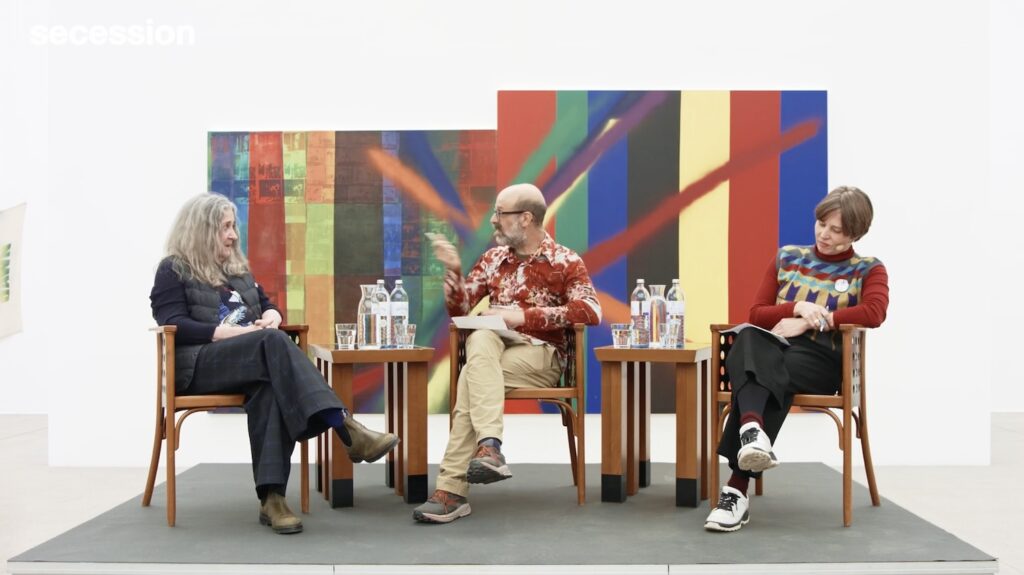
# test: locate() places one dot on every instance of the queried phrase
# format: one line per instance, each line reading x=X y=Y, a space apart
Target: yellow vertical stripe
x=704 y=225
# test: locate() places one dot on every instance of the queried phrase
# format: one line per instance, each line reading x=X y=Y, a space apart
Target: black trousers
x=283 y=392
x=806 y=366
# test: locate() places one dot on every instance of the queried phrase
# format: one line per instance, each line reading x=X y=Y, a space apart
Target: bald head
x=526 y=197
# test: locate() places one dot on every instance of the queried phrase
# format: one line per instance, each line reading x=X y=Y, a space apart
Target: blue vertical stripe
x=803 y=170
x=392 y=214
x=606 y=216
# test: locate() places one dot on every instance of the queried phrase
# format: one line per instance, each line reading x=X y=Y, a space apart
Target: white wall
x=1006 y=203
x=908 y=90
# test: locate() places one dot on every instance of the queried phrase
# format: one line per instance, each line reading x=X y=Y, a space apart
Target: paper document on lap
x=494 y=323
x=743 y=326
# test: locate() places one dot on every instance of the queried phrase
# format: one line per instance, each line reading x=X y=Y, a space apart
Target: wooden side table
x=626 y=420
x=405 y=413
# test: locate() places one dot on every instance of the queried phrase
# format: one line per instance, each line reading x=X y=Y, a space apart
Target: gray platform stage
x=530 y=523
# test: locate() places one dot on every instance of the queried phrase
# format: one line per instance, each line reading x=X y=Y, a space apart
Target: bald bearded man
x=539 y=288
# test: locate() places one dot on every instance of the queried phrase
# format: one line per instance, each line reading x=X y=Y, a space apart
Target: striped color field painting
x=703 y=186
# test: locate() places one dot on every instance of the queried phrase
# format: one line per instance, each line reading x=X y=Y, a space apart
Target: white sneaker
x=755 y=449
x=731 y=513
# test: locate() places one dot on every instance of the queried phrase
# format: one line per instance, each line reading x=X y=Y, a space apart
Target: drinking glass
x=406 y=337
x=345 y=335
x=620 y=335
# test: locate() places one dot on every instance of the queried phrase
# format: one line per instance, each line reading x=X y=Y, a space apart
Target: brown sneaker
x=487 y=466
x=368 y=445
x=442 y=507
x=275 y=512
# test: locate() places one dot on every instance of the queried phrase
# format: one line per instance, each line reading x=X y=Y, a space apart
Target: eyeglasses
x=500 y=212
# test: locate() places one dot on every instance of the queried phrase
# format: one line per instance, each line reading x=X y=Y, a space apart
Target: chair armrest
x=165 y=329
x=720 y=327
x=299 y=332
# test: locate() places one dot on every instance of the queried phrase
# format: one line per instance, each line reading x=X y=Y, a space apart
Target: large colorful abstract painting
x=703 y=186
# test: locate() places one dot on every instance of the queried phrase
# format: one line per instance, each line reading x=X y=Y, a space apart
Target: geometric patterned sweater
x=855 y=288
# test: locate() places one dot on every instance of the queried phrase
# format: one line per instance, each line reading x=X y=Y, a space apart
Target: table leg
x=632 y=424
x=321 y=440
x=613 y=433
x=341 y=466
x=705 y=435
x=644 y=408
x=688 y=435
x=390 y=370
x=401 y=381
x=413 y=430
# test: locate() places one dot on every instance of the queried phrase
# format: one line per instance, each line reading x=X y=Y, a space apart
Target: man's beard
x=514 y=239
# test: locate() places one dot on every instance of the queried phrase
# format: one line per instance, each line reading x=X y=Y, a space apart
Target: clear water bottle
x=399 y=313
x=640 y=311
x=381 y=315
x=675 y=302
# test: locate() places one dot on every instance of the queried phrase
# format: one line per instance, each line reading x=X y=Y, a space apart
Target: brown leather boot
x=275 y=512
x=368 y=445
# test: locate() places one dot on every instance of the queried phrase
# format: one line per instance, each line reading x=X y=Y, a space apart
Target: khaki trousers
x=492 y=368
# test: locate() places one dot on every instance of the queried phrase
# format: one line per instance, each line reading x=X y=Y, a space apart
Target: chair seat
x=548 y=393
x=208 y=401
x=802 y=400
x=799 y=400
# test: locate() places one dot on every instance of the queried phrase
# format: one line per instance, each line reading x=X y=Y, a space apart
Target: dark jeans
x=283 y=392
x=756 y=358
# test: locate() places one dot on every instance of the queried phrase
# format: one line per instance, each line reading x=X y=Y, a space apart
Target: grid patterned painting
x=322 y=212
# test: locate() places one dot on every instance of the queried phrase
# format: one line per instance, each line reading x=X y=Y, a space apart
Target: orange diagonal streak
x=612 y=310
x=416 y=187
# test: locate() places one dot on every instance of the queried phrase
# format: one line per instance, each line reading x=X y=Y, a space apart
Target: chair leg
x=154 y=460
x=847 y=469
x=567 y=421
x=304 y=476
x=759 y=486
x=581 y=463
x=869 y=468
x=172 y=446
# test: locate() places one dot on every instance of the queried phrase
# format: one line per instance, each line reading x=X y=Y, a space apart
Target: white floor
x=38 y=502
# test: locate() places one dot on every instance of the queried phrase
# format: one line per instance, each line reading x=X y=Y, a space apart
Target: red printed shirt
x=552 y=287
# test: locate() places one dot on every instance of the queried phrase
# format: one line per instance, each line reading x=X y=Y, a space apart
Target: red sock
x=739 y=482
x=751 y=416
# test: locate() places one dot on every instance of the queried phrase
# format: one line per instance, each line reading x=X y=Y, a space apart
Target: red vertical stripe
x=266 y=215
x=524 y=120
x=753 y=198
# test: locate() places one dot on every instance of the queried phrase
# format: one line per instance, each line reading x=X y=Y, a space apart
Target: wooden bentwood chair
x=168 y=403
x=851 y=401
x=569 y=390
